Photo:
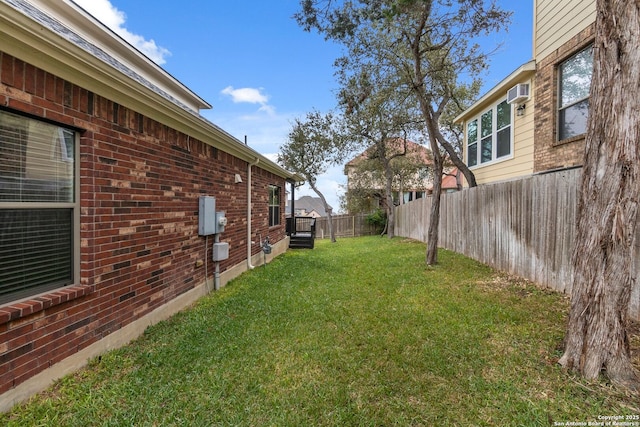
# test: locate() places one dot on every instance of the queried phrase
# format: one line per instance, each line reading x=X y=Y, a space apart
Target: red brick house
x=103 y=160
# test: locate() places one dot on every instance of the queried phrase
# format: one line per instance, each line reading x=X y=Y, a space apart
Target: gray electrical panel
x=207 y=216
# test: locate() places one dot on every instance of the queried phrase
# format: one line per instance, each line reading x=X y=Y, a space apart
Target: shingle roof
x=309 y=204
x=58 y=28
x=413 y=149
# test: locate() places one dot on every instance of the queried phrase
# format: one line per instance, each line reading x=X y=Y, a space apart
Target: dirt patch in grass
x=522 y=287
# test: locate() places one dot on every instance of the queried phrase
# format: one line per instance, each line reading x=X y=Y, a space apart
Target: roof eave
x=49 y=51
x=526 y=70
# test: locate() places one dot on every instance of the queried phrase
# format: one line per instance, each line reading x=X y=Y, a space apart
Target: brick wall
x=549 y=153
x=139 y=244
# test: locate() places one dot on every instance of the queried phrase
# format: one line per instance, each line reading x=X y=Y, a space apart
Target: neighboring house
x=452 y=181
x=365 y=179
x=413 y=178
x=310 y=206
x=103 y=159
x=534 y=120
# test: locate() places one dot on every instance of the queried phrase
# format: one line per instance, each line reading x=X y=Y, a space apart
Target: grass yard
x=357 y=333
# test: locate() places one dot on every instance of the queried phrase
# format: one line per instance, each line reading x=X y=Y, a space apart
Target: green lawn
x=356 y=333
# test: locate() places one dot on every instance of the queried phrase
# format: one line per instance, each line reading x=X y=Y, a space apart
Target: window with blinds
x=37 y=203
x=274 y=205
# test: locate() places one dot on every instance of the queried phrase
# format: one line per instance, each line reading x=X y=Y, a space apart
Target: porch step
x=301 y=242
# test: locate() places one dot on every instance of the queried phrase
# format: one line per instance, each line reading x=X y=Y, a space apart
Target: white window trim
x=494 y=133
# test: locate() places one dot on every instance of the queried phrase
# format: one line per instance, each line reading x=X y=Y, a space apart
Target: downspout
x=249 y=243
x=292 y=229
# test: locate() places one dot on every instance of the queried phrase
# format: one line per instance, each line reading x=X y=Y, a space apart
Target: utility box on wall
x=220 y=251
x=207 y=216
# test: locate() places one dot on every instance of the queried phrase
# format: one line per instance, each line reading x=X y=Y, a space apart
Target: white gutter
x=249 y=242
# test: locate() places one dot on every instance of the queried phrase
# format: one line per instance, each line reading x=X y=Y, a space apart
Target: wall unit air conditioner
x=519 y=93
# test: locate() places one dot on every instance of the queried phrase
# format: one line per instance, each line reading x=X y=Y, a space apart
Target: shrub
x=378 y=219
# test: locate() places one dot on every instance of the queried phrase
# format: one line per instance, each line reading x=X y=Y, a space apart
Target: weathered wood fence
x=344 y=226
x=524 y=227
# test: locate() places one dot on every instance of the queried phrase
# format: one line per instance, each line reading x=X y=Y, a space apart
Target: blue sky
x=257 y=68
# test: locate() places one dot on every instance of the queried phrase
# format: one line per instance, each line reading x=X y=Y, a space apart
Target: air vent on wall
x=519 y=93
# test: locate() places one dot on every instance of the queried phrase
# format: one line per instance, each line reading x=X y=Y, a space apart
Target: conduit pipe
x=249 y=243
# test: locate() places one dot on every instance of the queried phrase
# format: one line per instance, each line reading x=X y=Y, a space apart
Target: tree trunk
x=434 y=216
x=327 y=209
x=602 y=259
x=391 y=222
x=462 y=167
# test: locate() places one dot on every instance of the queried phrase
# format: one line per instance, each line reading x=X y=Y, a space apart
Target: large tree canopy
x=378 y=116
x=427 y=49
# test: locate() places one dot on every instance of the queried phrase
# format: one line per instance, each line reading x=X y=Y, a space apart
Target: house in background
x=413 y=178
x=564 y=32
x=534 y=120
x=104 y=159
x=310 y=207
x=365 y=179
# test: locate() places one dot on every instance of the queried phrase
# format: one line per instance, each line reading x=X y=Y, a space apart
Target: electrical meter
x=220 y=222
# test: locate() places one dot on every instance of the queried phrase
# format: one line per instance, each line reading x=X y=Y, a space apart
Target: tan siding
x=557 y=21
x=522 y=162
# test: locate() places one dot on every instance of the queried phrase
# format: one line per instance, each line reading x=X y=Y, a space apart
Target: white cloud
x=246 y=94
x=115 y=19
x=269 y=109
x=271 y=156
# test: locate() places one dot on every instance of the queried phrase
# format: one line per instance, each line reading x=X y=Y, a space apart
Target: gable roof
x=63 y=39
x=309 y=203
x=397 y=146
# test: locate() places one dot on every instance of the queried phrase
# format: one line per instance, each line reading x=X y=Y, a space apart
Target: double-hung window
x=574 y=77
x=37 y=206
x=274 y=205
x=489 y=136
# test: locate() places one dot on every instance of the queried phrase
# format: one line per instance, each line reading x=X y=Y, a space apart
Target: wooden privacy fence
x=524 y=227
x=344 y=226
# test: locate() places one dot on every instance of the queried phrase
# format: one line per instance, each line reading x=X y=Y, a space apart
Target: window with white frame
x=489 y=136
x=574 y=80
x=274 y=205
x=37 y=206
